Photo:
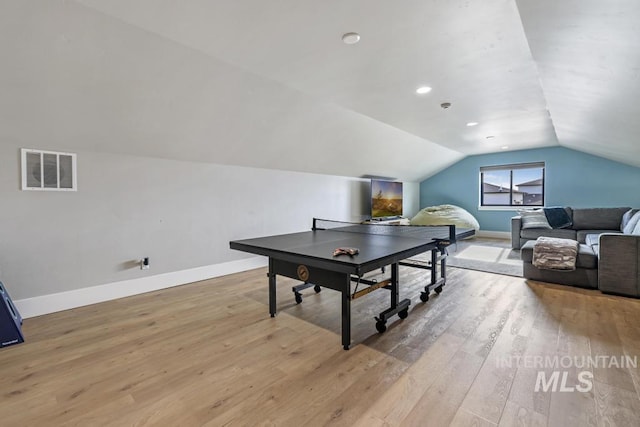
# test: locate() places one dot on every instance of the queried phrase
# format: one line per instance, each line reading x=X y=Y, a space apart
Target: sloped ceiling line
x=257 y=84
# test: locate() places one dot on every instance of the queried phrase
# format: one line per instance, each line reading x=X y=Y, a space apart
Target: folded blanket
x=551 y=253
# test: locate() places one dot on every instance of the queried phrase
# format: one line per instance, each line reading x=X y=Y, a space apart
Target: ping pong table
x=309 y=257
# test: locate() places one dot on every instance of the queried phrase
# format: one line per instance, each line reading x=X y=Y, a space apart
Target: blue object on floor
x=10 y=320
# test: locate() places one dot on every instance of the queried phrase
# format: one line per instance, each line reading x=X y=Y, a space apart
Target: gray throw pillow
x=631 y=225
x=627 y=217
x=534 y=219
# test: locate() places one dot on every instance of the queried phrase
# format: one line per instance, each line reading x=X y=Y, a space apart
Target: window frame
x=510 y=168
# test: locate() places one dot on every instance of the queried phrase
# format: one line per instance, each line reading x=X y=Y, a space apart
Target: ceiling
x=270 y=84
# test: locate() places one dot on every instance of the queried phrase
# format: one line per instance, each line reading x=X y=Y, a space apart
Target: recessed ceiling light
x=472 y=124
x=505 y=147
x=423 y=89
x=351 y=38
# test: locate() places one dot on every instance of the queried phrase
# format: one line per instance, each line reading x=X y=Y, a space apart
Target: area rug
x=484 y=254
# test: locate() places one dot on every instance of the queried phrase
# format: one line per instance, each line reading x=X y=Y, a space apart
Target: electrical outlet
x=144 y=263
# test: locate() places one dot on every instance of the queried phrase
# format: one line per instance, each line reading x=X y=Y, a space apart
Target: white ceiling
x=270 y=84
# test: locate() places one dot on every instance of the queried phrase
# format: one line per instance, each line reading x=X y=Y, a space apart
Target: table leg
x=272 y=289
x=395 y=289
x=443 y=265
x=346 y=313
x=434 y=266
x=401 y=308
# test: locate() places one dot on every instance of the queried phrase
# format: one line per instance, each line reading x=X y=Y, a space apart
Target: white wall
x=63 y=249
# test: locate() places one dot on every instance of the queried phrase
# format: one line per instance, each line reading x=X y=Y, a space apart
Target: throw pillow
x=534 y=219
x=557 y=217
x=636 y=229
x=626 y=217
x=631 y=225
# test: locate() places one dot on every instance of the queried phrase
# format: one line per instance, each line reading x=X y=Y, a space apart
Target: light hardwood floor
x=208 y=353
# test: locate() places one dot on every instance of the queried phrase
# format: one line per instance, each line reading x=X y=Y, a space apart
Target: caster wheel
x=424 y=297
x=381 y=326
x=298 y=298
x=438 y=289
x=403 y=314
x=317 y=288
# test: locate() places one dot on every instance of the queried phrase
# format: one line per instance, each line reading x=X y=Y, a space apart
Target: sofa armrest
x=618 y=264
x=516 y=226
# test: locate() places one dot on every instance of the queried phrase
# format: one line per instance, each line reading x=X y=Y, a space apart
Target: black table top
x=378 y=245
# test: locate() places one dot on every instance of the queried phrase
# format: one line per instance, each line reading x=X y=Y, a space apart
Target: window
x=512 y=185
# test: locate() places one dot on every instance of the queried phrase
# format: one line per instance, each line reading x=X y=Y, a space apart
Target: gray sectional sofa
x=608 y=259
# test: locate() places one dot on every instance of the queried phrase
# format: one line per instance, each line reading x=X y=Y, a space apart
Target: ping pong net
x=426 y=232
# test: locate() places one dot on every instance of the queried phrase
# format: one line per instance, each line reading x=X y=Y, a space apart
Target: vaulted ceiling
x=271 y=84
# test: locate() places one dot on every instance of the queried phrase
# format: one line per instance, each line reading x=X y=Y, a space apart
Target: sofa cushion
x=631 y=223
x=581 y=235
x=598 y=218
x=587 y=258
x=591 y=239
x=562 y=233
x=627 y=217
x=534 y=219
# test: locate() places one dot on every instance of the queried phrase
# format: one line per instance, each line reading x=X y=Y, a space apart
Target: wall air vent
x=48 y=170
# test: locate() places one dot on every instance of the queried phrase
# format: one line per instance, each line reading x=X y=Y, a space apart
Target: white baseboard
x=45 y=304
x=494 y=234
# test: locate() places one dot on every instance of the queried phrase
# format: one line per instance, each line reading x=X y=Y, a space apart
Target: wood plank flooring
x=208 y=354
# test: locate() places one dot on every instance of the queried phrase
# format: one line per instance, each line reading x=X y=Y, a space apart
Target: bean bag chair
x=446 y=215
